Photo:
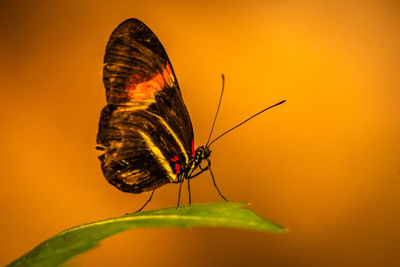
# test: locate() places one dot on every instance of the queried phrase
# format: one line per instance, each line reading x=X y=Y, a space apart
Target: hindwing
x=139 y=149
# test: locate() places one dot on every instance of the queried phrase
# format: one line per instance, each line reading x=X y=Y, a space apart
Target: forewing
x=138 y=73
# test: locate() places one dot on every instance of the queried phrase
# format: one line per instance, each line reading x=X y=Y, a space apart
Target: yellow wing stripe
x=159 y=156
x=183 y=150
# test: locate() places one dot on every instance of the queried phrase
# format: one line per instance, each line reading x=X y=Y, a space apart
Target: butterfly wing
x=145 y=125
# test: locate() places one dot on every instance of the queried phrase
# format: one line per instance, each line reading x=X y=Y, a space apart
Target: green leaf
x=76 y=240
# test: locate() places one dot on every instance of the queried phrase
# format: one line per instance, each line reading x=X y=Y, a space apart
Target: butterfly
x=145 y=133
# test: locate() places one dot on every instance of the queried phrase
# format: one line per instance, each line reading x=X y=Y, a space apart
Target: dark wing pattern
x=145 y=125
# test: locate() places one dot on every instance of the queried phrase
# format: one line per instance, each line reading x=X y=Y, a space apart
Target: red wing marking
x=193 y=151
x=177 y=165
x=141 y=91
x=177 y=168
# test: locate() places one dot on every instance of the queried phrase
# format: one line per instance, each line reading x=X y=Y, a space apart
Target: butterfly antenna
x=219 y=104
x=246 y=121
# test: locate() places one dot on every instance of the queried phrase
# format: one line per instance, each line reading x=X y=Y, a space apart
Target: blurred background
x=325 y=164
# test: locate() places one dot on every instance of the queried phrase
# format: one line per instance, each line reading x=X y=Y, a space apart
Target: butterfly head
x=202 y=152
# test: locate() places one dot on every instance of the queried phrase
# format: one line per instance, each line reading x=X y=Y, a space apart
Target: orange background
x=325 y=164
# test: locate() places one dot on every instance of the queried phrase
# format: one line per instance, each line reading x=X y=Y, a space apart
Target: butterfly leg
x=202 y=170
x=215 y=185
x=190 y=196
x=147 y=202
x=179 y=192
x=192 y=176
